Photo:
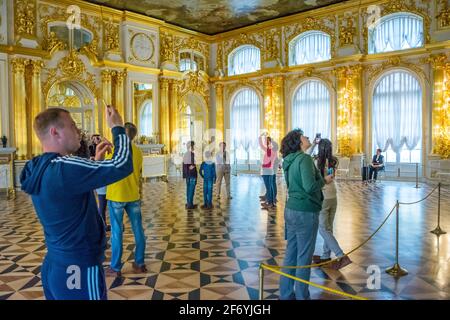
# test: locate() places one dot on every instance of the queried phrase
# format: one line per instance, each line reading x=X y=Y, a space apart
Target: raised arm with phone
x=61 y=188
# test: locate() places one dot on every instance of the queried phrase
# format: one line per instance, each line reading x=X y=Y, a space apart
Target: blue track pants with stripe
x=73 y=282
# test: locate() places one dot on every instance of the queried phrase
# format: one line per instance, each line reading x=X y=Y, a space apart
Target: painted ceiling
x=215 y=16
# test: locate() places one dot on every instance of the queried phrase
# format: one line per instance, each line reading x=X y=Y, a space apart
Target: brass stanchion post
x=396 y=270
x=438 y=231
x=261 y=283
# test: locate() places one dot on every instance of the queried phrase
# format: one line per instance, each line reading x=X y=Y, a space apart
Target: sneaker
x=210 y=206
x=190 y=207
x=203 y=207
x=113 y=273
x=340 y=263
x=139 y=269
x=262 y=198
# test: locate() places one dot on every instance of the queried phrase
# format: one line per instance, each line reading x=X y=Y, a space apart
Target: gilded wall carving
x=443 y=19
x=294 y=79
x=25 y=17
x=272 y=44
x=194 y=82
x=232 y=87
x=373 y=71
x=70 y=68
x=347 y=31
x=167 y=47
x=49 y=14
x=111 y=36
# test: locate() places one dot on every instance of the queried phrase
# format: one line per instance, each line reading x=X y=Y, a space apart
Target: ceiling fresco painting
x=215 y=16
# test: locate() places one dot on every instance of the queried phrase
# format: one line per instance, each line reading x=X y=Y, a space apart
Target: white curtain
x=396 y=32
x=188 y=64
x=311 y=46
x=145 y=119
x=245 y=117
x=397 y=111
x=244 y=59
x=311 y=109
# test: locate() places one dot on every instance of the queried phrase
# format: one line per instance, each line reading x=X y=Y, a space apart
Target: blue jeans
x=275 y=188
x=301 y=233
x=268 y=182
x=190 y=190
x=133 y=210
x=208 y=191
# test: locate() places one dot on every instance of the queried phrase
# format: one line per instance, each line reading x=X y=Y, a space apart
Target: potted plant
x=4 y=141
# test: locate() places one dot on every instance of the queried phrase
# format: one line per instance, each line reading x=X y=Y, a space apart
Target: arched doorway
x=193 y=120
x=78 y=100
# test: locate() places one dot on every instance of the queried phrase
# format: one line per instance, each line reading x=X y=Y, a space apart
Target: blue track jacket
x=61 y=188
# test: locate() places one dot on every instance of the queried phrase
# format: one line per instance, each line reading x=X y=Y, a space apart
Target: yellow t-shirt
x=127 y=189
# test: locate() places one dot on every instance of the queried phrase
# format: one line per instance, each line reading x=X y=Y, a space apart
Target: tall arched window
x=309 y=47
x=397 y=117
x=245 y=117
x=311 y=109
x=397 y=31
x=146 y=119
x=245 y=59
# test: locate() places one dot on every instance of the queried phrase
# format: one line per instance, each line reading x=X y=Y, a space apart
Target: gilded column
x=19 y=101
x=357 y=111
x=120 y=93
x=441 y=106
x=164 y=128
x=36 y=105
x=173 y=112
x=278 y=100
x=349 y=110
x=107 y=98
x=219 y=109
x=268 y=112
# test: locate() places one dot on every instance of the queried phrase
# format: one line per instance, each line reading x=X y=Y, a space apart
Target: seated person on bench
x=376 y=165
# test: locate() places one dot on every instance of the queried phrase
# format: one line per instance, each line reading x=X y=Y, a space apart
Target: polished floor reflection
x=216 y=254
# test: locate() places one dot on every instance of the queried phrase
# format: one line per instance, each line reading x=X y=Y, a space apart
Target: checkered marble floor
x=216 y=254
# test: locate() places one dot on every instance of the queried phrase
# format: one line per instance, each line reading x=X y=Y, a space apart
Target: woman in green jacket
x=301 y=213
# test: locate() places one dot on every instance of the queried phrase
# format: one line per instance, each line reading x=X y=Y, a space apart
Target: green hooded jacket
x=304 y=183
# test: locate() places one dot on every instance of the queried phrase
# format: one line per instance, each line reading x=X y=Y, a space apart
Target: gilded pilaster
x=441 y=106
x=36 y=105
x=268 y=112
x=120 y=92
x=219 y=109
x=349 y=110
x=19 y=100
x=164 y=127
x=279 y=107
x=107 y=98
x=173 y=112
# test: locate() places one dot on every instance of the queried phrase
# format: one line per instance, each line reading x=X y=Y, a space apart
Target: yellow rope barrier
x=348 y=253
x=341 y=293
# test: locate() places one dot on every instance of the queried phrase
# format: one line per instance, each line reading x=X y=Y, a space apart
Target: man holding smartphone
x=61 y=187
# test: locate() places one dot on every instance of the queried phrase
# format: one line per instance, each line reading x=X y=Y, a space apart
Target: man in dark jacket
x=61 y=188
x=376 y=165
x=190 y=174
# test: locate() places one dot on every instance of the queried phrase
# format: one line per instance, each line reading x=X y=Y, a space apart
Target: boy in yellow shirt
x=125 y=195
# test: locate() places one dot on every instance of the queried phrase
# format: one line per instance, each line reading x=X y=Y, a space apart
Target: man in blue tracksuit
x=61 y=188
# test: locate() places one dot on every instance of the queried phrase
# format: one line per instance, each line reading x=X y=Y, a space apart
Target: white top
x=329 y=190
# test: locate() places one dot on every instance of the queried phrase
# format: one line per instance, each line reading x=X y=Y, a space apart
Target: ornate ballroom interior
x=366 y=74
